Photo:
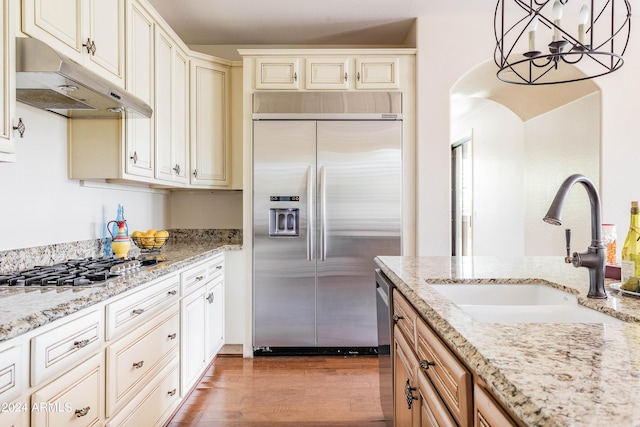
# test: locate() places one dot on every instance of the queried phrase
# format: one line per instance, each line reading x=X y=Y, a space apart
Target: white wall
x=440 y=65
x=41 y=206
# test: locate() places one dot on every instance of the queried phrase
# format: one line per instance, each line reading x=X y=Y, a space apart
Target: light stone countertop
x=26 y=308
x=562 y=374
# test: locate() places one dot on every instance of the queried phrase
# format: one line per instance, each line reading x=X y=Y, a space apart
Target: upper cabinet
x=7 y=87
x=327 y=70
x=210 y=139
x=171 y=110
x=91 y=32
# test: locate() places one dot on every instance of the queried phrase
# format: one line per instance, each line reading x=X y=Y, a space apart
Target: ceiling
x=305 y=22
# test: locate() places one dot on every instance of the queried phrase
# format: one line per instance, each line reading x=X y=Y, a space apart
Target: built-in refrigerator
x=327 y=195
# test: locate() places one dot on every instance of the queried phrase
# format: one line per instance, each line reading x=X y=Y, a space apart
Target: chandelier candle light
x=594 y=33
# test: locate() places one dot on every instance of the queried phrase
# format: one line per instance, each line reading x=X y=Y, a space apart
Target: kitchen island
x=561 y=374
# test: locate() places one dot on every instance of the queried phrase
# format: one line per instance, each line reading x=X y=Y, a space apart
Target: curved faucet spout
x=594 y=258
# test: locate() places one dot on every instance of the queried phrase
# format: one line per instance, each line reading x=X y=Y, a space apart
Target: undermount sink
x=520 y=303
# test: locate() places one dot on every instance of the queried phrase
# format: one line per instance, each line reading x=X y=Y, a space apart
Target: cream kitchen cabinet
x=140 y=81
x=327 y=73
x=91 y=32
x=210 y=123
x=202 y=310
x=277 y=73
x=74 y=399
x=171 y=112
x=377 y=73
x=7 y=88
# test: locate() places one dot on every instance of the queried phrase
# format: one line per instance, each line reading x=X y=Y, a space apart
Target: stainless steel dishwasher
x=384 y=308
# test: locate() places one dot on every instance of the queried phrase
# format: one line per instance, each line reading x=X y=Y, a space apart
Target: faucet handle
x=567 y=234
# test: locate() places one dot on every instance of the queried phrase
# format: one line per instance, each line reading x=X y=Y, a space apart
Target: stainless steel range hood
x=48 y=80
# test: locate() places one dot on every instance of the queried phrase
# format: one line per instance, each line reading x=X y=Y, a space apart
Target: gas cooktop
x=77 y=272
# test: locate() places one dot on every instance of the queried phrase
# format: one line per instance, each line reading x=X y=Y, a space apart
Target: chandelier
x=543 y=35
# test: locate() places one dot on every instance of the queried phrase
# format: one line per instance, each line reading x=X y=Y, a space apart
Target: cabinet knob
x=358 y=76
x=210 y=298
x=295 y=77
x=82 y=412
x=172 y=292
x=20 y=127
x=396 y=318
x=219 y=267
x=172 y=336
x=408 y=393
x=425 y=364
x=345 y=77
x=134 y=157
x=195 y=173
x=199 y=278
x=90 y=45
x=176 y=169
x=138 y=365
x=138 y=311
x=172 y=392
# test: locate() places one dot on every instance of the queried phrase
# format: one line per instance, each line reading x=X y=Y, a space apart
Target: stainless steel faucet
x=594 y=258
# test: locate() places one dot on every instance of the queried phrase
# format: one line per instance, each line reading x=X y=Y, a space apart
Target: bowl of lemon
x=150 y=240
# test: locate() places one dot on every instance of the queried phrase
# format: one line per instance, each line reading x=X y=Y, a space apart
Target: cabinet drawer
x=16 y=414
x=450 y=378
x=194 y=276
x=488 y=413
x=405 y=317
x=135 y=309
x=58 y=349
x=73 y=399
x=433 y=412
x=154 y=405
x=12 y=373
x=215 y=267
x=135 y=359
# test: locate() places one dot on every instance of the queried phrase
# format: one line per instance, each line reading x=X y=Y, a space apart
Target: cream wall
x=440 y=65
x=41 y=206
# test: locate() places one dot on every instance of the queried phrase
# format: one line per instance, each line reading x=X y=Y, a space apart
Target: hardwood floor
x=286 y=391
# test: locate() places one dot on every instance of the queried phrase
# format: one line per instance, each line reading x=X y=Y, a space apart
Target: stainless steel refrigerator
x=327 y=192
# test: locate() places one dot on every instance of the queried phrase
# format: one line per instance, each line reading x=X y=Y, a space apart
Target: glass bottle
x=631 y=248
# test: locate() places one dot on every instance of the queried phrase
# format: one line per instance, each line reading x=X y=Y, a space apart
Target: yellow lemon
x=148 y=239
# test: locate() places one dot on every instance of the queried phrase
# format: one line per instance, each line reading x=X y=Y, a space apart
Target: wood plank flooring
x=305 y=391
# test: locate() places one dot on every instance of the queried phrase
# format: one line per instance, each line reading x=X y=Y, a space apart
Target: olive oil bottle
x=631 y=248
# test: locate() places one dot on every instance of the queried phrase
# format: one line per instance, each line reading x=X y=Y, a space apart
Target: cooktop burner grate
x=76 y=272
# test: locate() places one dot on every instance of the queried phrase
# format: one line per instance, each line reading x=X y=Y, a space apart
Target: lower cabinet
x=431 y=386
x=74 y=399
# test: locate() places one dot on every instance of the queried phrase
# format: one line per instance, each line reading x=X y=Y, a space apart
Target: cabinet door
x=74 y=399
x=327 y=73
x=7 y=84
x=171 y=109
x=210 y=151
x=378 y=73
x=433 y=411
x=406 y=407
x=277 y=73
x=215 y=317
x=194 y=314
x=140 y=82
x=57 y=23
x=106 y=30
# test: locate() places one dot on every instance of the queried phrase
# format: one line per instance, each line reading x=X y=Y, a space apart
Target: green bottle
x=631 y=248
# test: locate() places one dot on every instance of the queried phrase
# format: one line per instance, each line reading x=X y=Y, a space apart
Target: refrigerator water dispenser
x=284 y=222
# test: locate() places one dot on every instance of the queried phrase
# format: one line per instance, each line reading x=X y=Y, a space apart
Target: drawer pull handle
x=408 y=392
x=396 y=318
x=82 y=412
x=210 y=298
x=81 y=343
x=172 y=292
x=172 y=336
x=139 y=364
x=138 y=311
x=219 y=267
x=425 y=364
x=172 y=392
x=198 y=278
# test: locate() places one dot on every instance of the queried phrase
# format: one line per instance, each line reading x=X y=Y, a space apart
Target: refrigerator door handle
x=323 y=214
x=309 y=215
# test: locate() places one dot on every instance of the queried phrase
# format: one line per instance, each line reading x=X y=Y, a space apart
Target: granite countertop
x=24 y=309
x=562 y=374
